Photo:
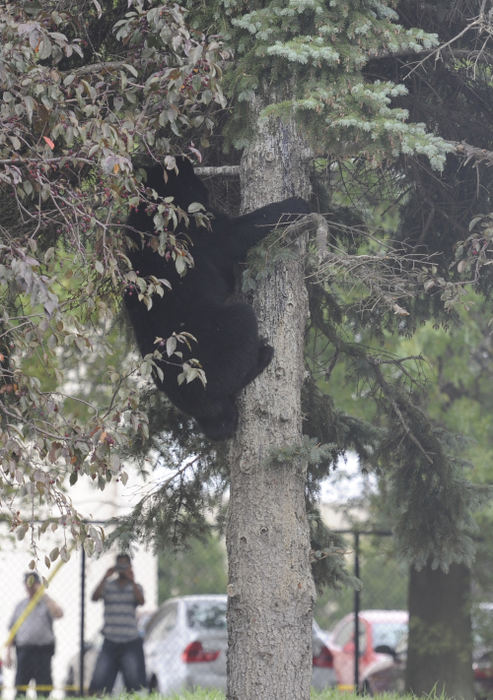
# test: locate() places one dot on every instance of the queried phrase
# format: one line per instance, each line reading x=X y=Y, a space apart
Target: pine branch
x=480 y=23
x=473 y=153
x=390 y=396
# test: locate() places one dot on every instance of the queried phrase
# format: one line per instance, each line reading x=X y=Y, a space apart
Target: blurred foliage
x=383 y=576
x=198 y=567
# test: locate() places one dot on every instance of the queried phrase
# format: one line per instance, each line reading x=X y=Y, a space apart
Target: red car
x=388 y=674
x=380 y=632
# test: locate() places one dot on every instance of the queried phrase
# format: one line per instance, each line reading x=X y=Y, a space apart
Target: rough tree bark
x=270 y=584
x=439 y=650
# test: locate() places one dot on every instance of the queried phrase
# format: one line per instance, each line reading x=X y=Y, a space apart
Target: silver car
x=186 y=644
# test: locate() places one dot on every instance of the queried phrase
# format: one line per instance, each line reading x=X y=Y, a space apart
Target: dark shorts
x=34 y=661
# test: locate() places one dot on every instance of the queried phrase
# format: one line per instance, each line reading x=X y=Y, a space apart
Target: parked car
x=323 y=673
x=482 y=667
x=388 y=675
x=72 y=678
x=380 y=633
x=186 y=644
x=482 y=655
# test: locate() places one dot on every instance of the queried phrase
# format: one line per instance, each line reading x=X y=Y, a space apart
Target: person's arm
x=138 y=591
x=54 y=609
x=9 y=657
x=139 y=594
x=98 y=591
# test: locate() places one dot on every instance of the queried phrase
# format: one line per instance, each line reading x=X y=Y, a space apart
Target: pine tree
x=381 y=134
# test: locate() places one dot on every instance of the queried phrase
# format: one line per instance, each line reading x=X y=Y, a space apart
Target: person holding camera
x=122 y=646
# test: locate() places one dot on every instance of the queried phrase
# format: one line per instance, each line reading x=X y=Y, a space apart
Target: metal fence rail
x=364 y=612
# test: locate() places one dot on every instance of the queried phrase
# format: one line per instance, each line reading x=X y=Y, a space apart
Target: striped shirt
x=120 y=624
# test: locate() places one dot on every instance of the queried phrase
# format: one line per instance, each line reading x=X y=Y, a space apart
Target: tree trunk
x=439 y=649
x=270 y=583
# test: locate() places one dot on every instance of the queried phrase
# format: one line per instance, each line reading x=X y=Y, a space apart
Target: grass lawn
x=218 y=695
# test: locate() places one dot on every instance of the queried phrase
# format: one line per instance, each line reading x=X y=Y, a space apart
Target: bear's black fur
x=228 y=345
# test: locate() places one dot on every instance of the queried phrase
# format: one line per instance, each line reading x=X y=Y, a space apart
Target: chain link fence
x=369 y=555
x=70 y=585
x=367 y=627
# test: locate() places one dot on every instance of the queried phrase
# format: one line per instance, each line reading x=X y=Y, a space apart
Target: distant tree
x=198 y=567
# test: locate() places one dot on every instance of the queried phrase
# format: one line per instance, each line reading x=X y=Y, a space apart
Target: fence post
x=82 y=619
x=356 y=612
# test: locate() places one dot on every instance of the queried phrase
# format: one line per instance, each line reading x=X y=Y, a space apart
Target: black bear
x=228 y=345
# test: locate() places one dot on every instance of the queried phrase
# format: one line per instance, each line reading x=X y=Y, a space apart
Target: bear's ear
x=155 y=179
x=185 y=168
x=186 y=186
